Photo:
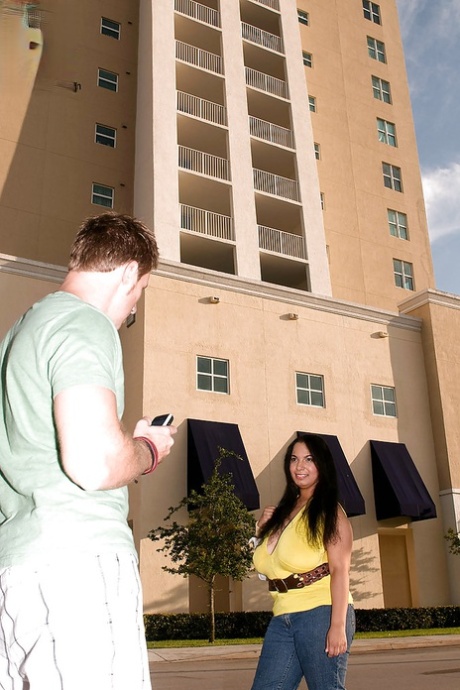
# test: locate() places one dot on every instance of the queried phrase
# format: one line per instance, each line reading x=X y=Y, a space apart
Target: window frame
x=372 y=12
x=103 y=81
x=309 y=390
x=307 y=59
x=100 y=194
x=317 y=150
x=111 y=31
x=392 y=174
x=303 y=17
x=376 y=49
x=403 y=272
x=212 y=375
x=380 y=92
x=312 y=104
x=105 y=137
x=386 y=132
x=386 y=403
x=397 y=224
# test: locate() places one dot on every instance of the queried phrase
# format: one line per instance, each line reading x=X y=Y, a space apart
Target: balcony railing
x=199 y=107
x=199 y=58
x=270 y=132
x=198 y=11
x=281 y=242
x=204 y=163
x=274 y=4
x=275 y=184
x=206 y=222
x=262 y=38
x=265 y=82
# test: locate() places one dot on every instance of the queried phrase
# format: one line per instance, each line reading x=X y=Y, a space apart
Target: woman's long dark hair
x=320 y=513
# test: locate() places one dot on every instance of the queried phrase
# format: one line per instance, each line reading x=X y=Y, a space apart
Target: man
x=70 y=597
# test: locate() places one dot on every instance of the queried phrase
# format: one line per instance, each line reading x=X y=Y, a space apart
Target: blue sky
x=431 y=36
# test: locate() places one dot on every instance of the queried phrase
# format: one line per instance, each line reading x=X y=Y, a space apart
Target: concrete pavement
x=252 y=651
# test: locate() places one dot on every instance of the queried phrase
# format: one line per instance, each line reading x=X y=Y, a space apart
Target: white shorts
x=73 y=625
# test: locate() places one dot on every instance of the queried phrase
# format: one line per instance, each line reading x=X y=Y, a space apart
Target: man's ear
x=130 y=275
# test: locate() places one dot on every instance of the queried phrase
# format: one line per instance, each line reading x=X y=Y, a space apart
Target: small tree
x=454 y=541
x=215 y=540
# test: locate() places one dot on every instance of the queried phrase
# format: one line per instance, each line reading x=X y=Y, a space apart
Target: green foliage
x=214 y=540
x=253 y=624
x=454 y=541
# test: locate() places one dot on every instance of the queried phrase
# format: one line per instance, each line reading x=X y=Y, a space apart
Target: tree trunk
x=212 y=618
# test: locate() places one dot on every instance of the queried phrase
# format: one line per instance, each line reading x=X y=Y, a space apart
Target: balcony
x=265 y=82
x=276 y=185
x=270 y=132
x=201 y=108
x=273 y=4
x=199 y=58
x=196 y=10
x=206 y=223
x=286 y=243
x=262 y=38
x=203 y=163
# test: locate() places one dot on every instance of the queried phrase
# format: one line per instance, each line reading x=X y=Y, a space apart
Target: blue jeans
x=294 y=646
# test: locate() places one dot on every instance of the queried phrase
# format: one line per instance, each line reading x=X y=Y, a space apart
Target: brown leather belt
x=299 y=580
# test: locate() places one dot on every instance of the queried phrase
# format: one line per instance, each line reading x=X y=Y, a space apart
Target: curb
x=252 y=651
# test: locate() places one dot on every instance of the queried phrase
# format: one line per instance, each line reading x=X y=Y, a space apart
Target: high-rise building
x=270 y=144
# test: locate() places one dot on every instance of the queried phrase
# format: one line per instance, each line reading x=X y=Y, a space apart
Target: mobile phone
x=163 y=420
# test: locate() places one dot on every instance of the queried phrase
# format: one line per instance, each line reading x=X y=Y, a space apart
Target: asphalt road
x=428 y=668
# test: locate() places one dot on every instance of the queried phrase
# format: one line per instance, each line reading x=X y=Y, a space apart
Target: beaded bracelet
x=153 y=452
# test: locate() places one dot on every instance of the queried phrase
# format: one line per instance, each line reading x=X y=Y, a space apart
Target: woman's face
x=303 y=470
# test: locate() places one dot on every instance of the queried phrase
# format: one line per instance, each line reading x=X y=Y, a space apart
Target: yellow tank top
x=293 y=554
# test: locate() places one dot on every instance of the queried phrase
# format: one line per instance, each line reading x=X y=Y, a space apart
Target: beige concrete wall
x=49 y=158
x=361 y=249
x=249 y=328
x=441 y=333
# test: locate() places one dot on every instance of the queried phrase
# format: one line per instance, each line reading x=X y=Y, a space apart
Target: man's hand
x=161 y=436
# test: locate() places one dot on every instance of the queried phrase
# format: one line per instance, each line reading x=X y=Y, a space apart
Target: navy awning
x=349 y=494
x=203 y=441
x=398 y=487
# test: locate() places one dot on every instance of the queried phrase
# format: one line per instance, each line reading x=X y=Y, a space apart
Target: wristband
x=153 y=452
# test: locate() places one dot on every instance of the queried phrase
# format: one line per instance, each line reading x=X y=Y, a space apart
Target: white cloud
x=441 y=188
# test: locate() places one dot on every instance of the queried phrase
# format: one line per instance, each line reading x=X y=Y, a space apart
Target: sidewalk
x=252 y=651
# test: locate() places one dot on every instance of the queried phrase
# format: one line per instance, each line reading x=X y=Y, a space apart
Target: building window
x=386 y=132
x=381 y=89
x=108 y=80
x=322 y=201
x=303 y=17
x=371 y=11
x=107 y=136
x=317 y=151
x=110 y=28
x=307 y=59
x=212 y=374
x=102 y=195
x=310 y=389
x=376 y=49
x=312 y=103
x=397 y=223
x=383 y=400
x=404 y=274
x=392 y=177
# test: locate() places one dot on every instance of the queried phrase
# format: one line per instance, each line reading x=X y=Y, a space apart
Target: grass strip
x=158 y=644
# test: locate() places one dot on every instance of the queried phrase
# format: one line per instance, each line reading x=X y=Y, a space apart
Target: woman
x=304 y=550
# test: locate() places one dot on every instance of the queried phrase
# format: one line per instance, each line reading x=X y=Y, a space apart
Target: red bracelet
x=153 y=452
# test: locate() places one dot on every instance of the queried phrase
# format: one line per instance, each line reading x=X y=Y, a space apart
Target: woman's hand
x=336 y=641
x=264 y=518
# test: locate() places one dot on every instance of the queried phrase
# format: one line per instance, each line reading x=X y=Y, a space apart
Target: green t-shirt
x=59 y=343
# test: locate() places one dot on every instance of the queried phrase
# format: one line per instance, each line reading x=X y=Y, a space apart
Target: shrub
x=240 y=624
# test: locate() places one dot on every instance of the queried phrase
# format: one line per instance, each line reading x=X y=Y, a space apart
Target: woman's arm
x=339 y=557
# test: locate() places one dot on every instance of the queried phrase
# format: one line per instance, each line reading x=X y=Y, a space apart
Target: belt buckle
x=276 y=584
